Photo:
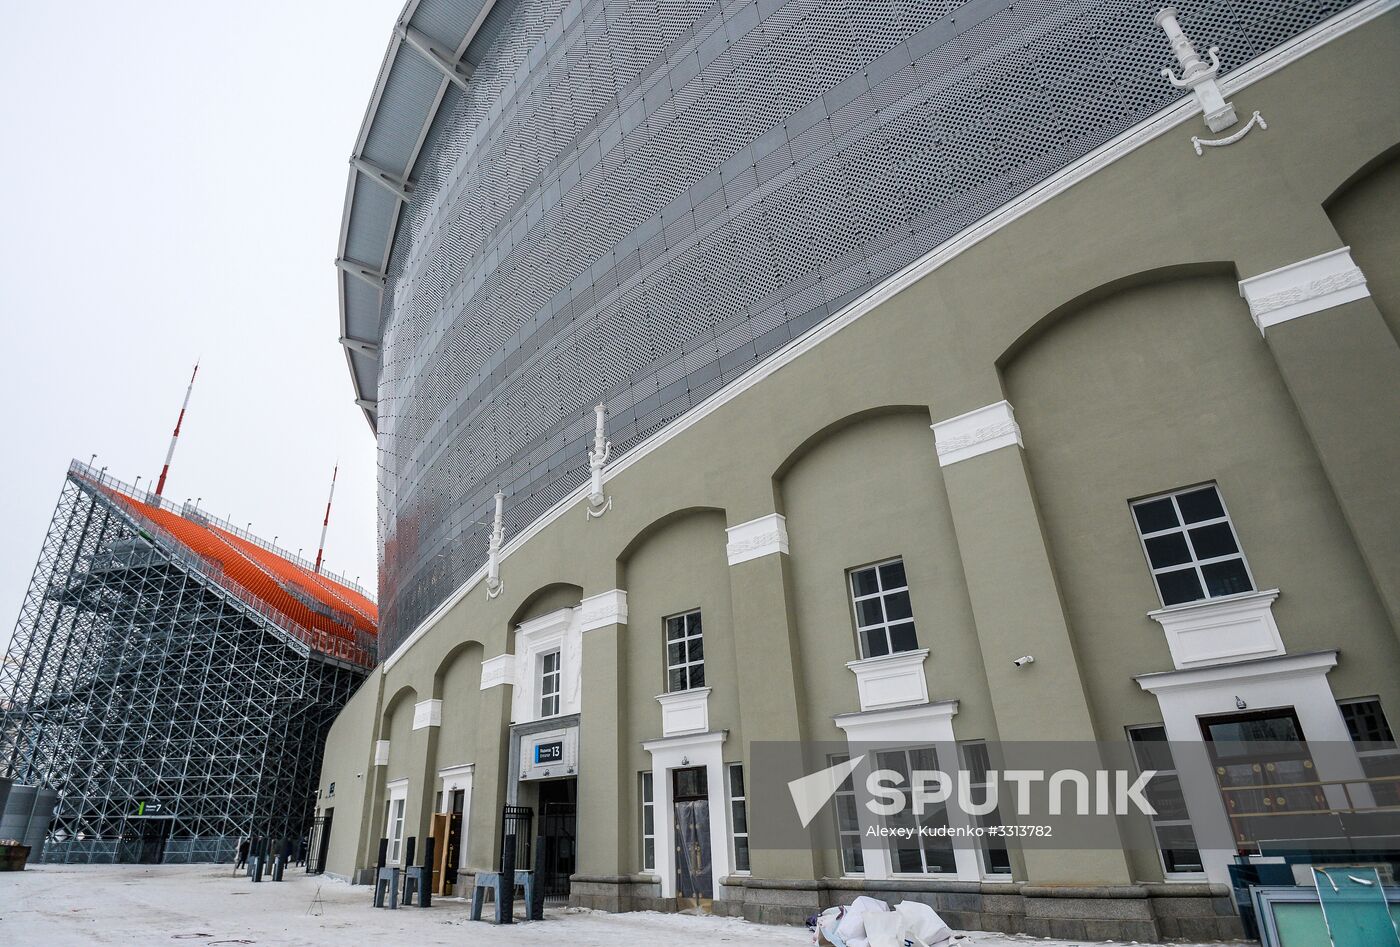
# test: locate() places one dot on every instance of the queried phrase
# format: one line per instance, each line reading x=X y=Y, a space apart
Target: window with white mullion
x=1191 y=546
x=1375 y=747
x=648 y=824
x=848 y=823
x=394 y=819
x=1171 y=826
x=919 y=844
x=738 y=817
x=884 y=614
x=685 y=653
x=550 y=678
x=992 y=849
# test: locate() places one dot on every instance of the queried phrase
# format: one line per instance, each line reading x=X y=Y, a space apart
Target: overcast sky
x=171 y=183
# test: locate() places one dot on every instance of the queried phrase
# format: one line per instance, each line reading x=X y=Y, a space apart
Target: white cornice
x=498 y=671
x=427 y=713
x=1303 y=288
x=686 y=741
x=757 y=538
x=1283 y=666
x=602 y=610
x=1098 y=159
x=976 y=432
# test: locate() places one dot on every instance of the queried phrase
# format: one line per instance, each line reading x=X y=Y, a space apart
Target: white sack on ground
x=922 y=923
x=852 y=926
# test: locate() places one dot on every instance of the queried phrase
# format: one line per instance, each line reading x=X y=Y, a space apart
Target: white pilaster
x=976 y=432
x=757 y=538
x=1303 y=288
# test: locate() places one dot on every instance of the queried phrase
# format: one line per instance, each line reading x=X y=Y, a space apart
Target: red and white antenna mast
x=320 y=551
x=164 y=471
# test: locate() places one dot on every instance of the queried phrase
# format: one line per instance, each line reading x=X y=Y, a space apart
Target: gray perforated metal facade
x=635 y=201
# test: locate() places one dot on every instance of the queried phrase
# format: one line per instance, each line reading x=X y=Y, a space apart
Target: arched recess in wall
x=457 y=683
x=674 y=567
x=816 y=438
x=407 y=693
x=397 y=727
x=546 y=599
x=1363 y=211
x=1154 y=383
x=863 y=491
x=656 y=526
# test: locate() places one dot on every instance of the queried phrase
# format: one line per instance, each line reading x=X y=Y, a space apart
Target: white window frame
x=1372 y=754
x=551 y=683
x=648 y=796
x=847 y=788
x=1184 y=528
x=737 y=804
x=1167 y=873
x=985 y=845
x=395 y=812
x=895 y=870
x=884 y=626
x=686 y=666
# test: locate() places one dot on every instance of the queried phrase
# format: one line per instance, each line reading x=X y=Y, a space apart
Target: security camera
x=1023 y=660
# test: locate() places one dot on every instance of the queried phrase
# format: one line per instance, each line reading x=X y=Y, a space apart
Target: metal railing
x=362 y=651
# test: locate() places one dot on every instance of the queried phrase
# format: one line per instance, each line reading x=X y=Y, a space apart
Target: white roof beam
x=458 y=71
x=362 y=270
x=360 y=345
x=392 y=183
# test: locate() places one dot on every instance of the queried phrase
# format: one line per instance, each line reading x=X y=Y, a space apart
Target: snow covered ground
x=62 y=905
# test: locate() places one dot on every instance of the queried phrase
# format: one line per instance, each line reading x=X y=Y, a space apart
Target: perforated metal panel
x=637 y=200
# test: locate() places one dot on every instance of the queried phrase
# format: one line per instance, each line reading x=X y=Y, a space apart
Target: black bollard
x=535 y=909
x=409 y=847
x=505 y=903
x=425 y=894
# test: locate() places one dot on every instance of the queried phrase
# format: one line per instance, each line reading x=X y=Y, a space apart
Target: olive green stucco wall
x=1109 y=317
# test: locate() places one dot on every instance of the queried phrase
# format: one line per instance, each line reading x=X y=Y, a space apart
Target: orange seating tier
x=280 y=583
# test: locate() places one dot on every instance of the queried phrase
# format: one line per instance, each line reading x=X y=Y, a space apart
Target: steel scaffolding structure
x=174 y=710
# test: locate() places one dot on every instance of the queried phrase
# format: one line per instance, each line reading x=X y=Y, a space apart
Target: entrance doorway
x=452 y=857
x=558 y=853
x=143 y=840
x=1265 y=772
x=318 y=842
x=694 y=868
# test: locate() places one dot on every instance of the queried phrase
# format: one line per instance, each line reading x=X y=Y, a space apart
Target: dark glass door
x=454 y=835
x=694 y=868
x=1265 y=772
